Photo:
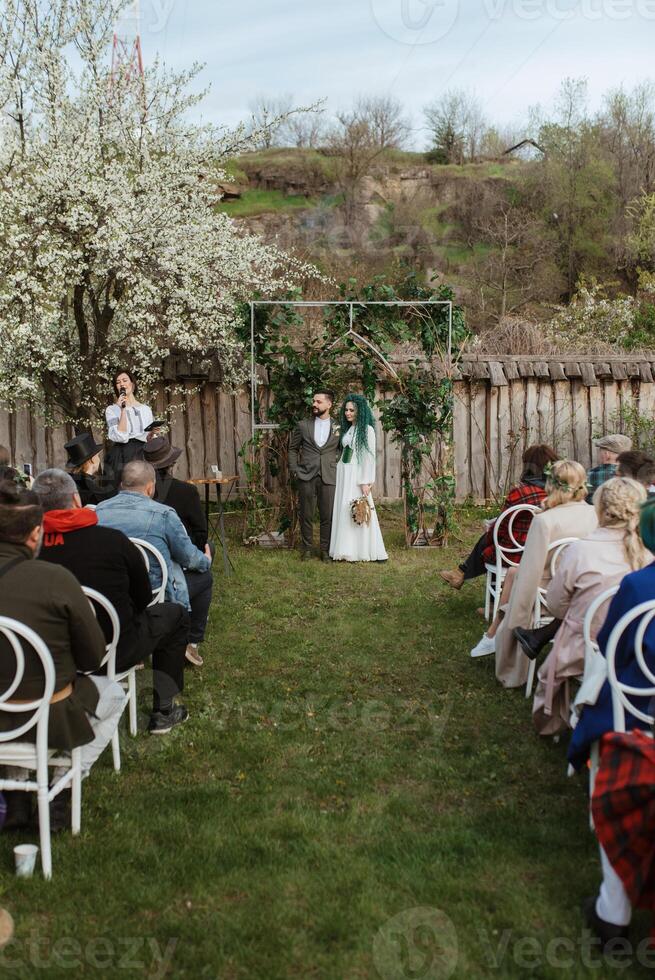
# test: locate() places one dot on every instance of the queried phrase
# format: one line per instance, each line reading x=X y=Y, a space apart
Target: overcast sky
x=512 y=52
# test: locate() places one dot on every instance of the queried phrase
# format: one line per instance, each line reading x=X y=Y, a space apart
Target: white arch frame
x=350 y=332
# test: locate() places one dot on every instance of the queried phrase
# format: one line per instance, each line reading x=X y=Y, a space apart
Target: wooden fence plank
x=581 y=423
x=563 y=418
x=242 y=430
x=461 y=429
x=195 y=434
x=504 y=441
x=227 y=461
x=478 y=439
x=546 y=414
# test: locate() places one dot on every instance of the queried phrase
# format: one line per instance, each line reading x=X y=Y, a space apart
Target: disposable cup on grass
x=25 y=857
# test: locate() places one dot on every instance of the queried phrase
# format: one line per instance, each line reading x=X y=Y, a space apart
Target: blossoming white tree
x=112 y=253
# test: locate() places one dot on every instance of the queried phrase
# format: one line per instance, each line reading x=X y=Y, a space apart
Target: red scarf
x=57 y=523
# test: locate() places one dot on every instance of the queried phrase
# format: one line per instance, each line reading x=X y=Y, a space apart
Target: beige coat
x=587 y=569
x=573 y=520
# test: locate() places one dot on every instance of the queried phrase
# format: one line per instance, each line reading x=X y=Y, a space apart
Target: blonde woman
x=587 y=569
x=565 y=514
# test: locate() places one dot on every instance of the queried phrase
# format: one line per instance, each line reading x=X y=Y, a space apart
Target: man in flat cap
x=609 y=449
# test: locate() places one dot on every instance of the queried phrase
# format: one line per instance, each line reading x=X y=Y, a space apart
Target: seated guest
x=565 y=515
x=597 y=719
x=83 y=464
x=609 y=448
x=182 y=497
x=531 y=489
x=135 y=513
x=636 y=464
x=84 y=711
x=623 y=807
x=586 y=569
x=106 y=560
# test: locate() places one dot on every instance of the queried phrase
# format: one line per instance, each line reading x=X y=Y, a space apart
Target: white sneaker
x=485 y=647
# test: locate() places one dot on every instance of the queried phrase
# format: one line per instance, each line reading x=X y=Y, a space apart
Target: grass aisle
x=345 y=762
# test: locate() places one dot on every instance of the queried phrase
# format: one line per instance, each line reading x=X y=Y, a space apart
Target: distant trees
x=457 y=126
x=359 y=137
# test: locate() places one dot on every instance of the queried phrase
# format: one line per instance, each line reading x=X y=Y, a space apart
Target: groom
x=313 y=455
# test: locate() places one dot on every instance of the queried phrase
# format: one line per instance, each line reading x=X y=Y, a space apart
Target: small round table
x=225 y=481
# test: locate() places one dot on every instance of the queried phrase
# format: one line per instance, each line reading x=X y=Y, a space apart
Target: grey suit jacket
x=307 y=459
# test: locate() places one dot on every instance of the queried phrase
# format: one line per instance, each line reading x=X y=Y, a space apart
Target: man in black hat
x=184 y=499
x=83 y=464
x=181 y=496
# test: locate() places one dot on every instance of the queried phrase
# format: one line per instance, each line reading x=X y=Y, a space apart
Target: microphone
x=122 y=393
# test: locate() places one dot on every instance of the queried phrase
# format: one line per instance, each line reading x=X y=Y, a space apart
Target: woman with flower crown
x=356 y=534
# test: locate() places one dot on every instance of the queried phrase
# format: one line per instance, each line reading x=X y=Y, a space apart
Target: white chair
x=109 y=660
x=128 y=678
x=540 y=614
x=622 y=693
x=37 y=756
x=505 y=556
x=148 y=551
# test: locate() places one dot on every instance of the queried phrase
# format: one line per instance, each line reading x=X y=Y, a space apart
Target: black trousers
x=473 y=566
x=311 y=492
x=162 y=632
x=200 y=586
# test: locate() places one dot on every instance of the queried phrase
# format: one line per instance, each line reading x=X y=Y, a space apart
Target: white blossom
x=112 y=253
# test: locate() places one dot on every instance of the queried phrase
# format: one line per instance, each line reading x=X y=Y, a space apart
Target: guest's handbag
x=360 y=511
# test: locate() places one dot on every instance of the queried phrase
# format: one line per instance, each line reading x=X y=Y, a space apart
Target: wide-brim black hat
x=159 y=453
x=80 y=449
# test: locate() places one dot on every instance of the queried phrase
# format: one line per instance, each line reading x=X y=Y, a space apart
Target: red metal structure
x=127 y=55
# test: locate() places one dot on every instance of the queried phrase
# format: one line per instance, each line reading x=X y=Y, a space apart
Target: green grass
x=254 y=202
x=345 y=763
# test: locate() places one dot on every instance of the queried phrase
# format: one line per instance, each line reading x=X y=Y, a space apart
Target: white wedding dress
x=350 y=541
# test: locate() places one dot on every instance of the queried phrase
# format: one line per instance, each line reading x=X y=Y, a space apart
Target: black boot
x=19 y=809
x=606 y=931
x=533 y=641
x=60 y=812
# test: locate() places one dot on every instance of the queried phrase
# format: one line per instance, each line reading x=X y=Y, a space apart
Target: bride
x=352 y=541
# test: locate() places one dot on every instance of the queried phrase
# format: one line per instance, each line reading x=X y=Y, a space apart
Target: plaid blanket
x=524 y=493
x=623 y=808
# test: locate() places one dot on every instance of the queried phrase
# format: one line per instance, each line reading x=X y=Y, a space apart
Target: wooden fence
x=502 y=404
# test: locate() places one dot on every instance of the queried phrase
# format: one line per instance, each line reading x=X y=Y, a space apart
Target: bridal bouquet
x=360 y=510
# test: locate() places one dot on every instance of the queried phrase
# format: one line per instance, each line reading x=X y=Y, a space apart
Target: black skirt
x=118 y=455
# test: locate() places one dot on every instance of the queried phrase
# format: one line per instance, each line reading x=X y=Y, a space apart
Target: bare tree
x=269 y=115
x=457 y=125
x=359 y=137
x=305 y=130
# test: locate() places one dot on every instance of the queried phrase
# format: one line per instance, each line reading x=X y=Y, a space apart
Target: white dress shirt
x=138 y=417
x=322 y=429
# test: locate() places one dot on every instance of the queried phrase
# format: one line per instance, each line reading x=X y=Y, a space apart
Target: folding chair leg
x=116 y=750
x=131 y=690
x=44 y=830
x=530 y=682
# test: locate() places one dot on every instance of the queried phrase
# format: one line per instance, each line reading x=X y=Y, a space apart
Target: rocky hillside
x=405 y=212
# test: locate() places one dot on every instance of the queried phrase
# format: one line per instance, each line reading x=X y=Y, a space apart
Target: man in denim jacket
x=136 y=514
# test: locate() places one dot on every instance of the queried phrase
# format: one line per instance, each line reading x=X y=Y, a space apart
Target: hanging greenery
x=304 y=349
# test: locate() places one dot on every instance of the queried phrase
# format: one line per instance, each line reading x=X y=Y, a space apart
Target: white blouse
x=138 y=418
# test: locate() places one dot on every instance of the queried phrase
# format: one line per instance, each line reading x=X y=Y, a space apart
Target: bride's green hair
x=363 y=419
